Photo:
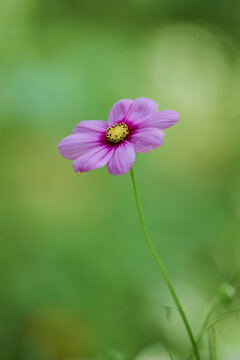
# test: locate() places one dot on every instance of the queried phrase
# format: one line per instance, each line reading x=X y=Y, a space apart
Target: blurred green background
x=76 y=275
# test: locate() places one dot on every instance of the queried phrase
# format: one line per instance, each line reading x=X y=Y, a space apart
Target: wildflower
x=133 y=126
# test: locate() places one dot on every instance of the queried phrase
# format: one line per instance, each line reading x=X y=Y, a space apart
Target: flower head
x=132 y=126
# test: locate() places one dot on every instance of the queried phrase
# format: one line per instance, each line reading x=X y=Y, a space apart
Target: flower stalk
x=210 y=309
x=212 y=343
x=163 y=270
x=226 y=293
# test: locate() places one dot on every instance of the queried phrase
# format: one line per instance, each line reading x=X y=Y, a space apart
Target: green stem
x=208 y=313
x=212 y=344
x=211 y=307
x=163 y=271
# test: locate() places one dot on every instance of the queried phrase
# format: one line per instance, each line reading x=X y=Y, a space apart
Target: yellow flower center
x=117 y=132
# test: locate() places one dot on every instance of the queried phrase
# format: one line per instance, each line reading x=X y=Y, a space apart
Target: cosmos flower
x=132 y=126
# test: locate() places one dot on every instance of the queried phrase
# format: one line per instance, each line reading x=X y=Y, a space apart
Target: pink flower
x=133 y=126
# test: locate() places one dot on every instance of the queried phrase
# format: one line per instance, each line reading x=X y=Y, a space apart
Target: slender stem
x=163 y=270
x=212 y=344
x=208 y=313
x=211 y=307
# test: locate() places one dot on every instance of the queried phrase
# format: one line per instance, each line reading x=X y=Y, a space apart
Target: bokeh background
x=77 y=278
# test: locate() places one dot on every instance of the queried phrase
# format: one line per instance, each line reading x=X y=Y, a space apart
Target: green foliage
x=71 y=285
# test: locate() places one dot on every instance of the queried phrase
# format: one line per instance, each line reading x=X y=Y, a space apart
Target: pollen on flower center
x=117 y=132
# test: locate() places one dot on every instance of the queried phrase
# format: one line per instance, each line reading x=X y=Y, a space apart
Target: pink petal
x=146 y=139
x=73 y=146
x=161 y=120
x=98 y=126
x=93 y=159
x=122 y=158
x=141 y=108
x=119 y=111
